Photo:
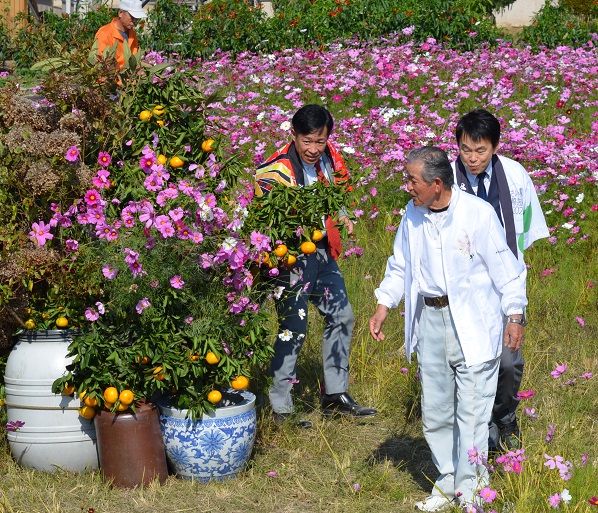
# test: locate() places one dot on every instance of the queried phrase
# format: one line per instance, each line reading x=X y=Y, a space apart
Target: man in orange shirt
x=118 y=38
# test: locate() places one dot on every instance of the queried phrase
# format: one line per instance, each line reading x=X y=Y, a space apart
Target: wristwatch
x=521 y=321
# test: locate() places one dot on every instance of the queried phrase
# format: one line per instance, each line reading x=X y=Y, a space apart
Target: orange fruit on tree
x=176 y=162
x=145 y=115
x=162 y=159
x=122 y=407
x=280 y=250
x=62 y=322
x=68 y=389
x=208 y=145
x=308 y=248
x=90 y=401
x=193 y=357
x=126 y=397
x=30 y=324
x=87 y=412
x=290 y=260
x=214 y=396
x=158 y=110
x=317 y=236
x=158 y=374
x=143 y=360
x=212 y=358
x=160 y=123
x=111 y=395
x=239 y=383
x=108 y=405
x=263 y=257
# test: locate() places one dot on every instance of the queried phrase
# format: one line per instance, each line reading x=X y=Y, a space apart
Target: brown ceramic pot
x=130 y=446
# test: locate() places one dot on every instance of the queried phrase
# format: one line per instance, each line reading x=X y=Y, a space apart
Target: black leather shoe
x=344 y=404
x=281 y=418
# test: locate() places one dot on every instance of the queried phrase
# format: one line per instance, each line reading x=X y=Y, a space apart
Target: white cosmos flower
x=229 y=243
x=286 y=335
x=285 y=125
x=301 y=313
x=566 y=496
x=580 y=198
x=567 y=226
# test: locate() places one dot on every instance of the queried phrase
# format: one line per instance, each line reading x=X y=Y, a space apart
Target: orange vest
x=107 y=35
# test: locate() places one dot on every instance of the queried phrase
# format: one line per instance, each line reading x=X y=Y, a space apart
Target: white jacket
x=484 y=279
x=530 y=224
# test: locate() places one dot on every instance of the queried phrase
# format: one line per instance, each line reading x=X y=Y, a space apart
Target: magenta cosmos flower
x=72 y=154
x=104 y=159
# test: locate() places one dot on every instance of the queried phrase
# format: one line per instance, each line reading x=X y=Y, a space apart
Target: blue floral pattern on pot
x=216 y=447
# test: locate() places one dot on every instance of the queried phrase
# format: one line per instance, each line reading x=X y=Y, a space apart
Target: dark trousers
x=510 y=373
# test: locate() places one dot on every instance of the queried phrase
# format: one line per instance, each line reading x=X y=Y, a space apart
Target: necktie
x=321 y=176
x=481 y=187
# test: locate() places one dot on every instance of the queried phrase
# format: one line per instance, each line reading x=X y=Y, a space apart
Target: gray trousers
x=315 y=278
x=510 y=373
x=456 y=405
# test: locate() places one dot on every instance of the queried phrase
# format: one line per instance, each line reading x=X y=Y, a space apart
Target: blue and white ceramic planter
x=216 y=447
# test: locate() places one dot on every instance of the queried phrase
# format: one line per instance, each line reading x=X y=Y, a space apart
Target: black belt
x=438 y=302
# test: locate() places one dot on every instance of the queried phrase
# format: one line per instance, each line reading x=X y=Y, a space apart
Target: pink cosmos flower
x=580 y=321
x=14 y=425
x=91 y=314
x=142 y=305
x=488 y=494
x=560 y=369
x=101 y=180
x=554 y=500
x=176 y=282
x=475 y=456
x=526 y=394
x=72 y=154
x=109 y=272
x=71 y=245
x=104 y=159
x=40 y=233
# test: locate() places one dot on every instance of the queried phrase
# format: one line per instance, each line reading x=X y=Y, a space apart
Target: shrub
x=228 y=25
x=167 y=28
x=558 y=26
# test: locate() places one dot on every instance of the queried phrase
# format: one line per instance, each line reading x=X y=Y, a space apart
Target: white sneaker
x=434 y=503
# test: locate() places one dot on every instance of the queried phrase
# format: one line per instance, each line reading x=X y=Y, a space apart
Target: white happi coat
x=530 y=224
x=484 y=279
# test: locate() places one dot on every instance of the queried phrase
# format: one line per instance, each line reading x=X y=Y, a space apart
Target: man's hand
x=513 y=336
x=348 y=224
x=377 y=321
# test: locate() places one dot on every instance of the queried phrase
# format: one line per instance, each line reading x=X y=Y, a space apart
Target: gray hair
x=435 y=164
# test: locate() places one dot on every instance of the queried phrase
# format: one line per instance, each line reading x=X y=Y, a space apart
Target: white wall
x=519 y=14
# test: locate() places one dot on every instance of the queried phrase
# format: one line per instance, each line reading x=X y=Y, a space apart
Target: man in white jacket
x=464 y=293
x=506 y=185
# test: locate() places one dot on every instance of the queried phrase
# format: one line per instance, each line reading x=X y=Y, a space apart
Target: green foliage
x=288 y=211
x=36 y=40
x=227 y=25
x=167 y=29
x=583 y=7
x=559 y=26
